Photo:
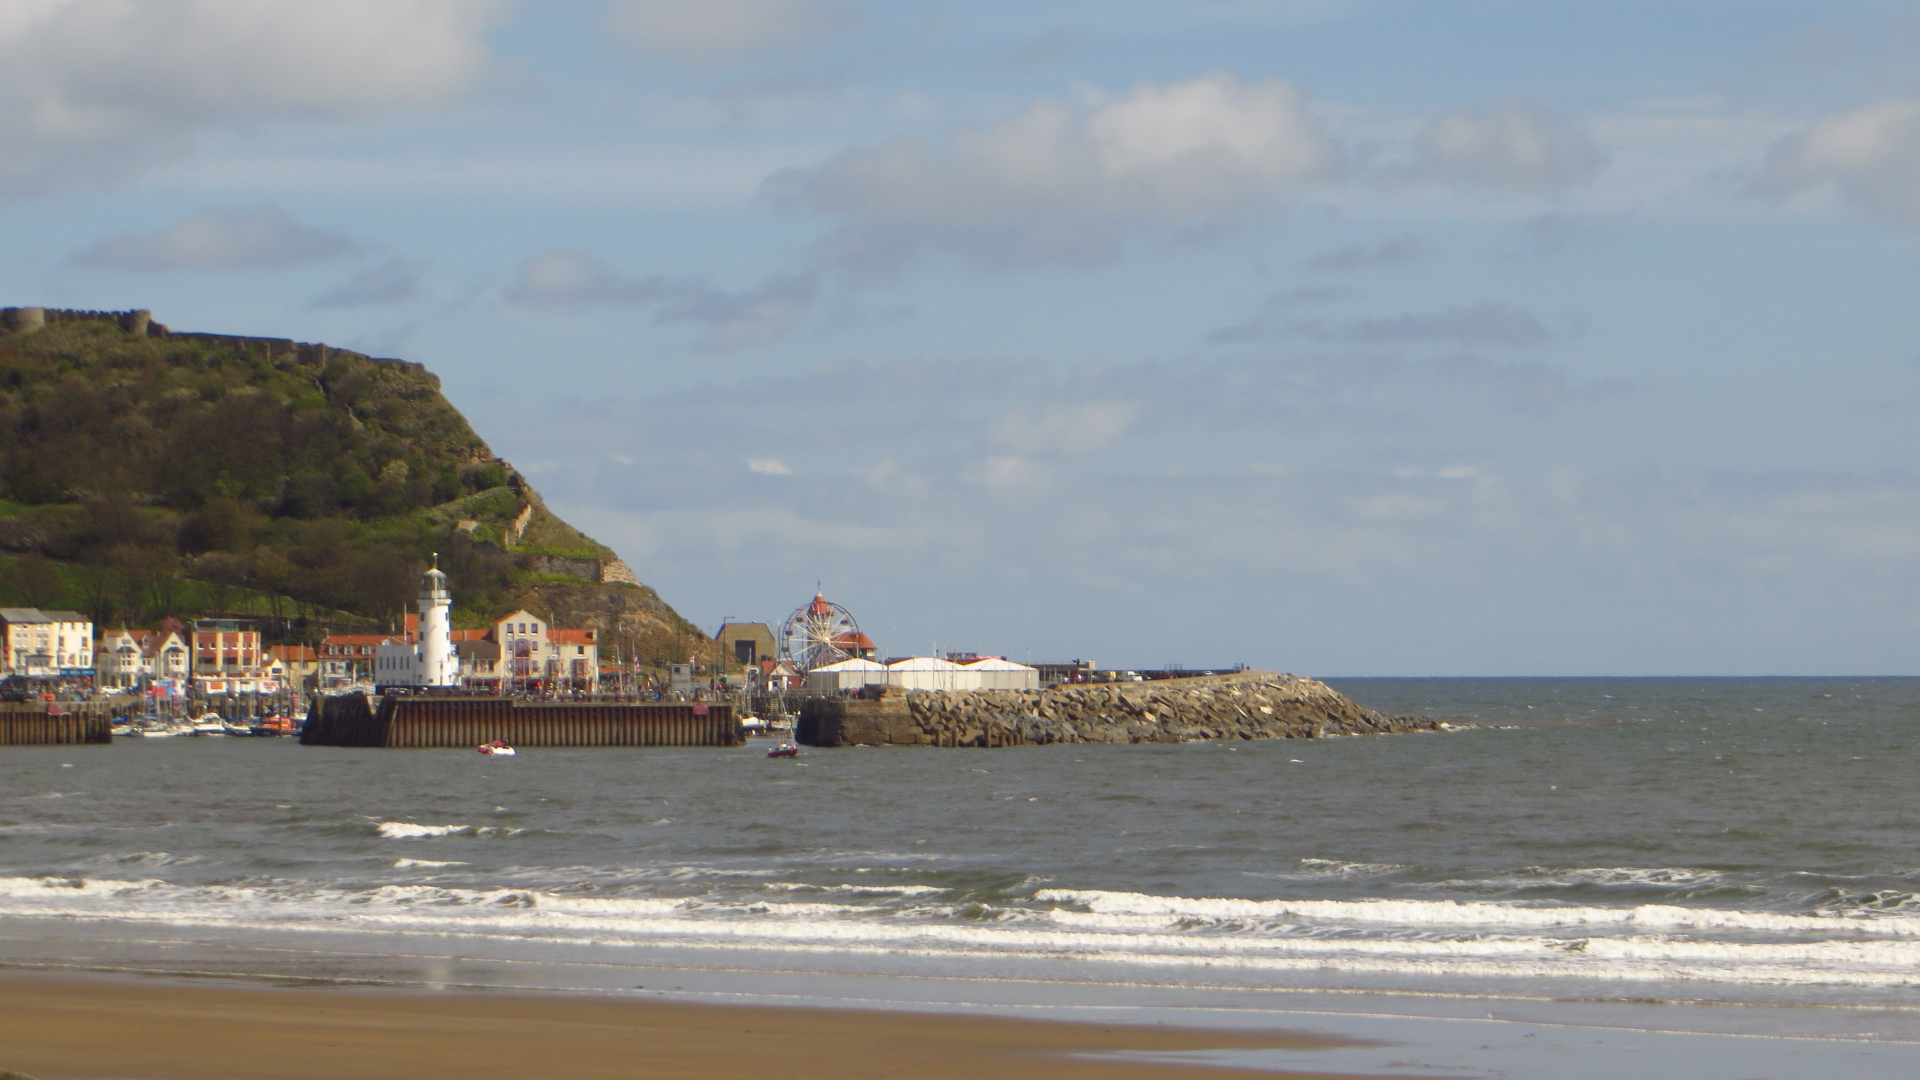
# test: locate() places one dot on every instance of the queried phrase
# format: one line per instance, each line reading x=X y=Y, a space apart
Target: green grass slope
x=143 y=477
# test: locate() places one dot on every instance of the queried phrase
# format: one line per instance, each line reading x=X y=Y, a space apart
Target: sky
x=1342 y=337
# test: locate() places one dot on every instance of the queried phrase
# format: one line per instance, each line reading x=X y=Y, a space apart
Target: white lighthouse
x=439 y=665
x=430 y=659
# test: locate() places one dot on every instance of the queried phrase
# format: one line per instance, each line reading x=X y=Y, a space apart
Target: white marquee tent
x=848 y=675
x=931 y=673
x=998 y=674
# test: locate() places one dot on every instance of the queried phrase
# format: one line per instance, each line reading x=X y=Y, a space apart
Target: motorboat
x=785 y=749
x=208 y=725
x=496 y=748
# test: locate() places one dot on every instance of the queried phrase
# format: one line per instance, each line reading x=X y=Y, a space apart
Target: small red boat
x=497 y=749
x=785 y=749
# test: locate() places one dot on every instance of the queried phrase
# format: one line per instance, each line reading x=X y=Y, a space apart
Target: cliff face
x=1247 y=705
x=146 y=473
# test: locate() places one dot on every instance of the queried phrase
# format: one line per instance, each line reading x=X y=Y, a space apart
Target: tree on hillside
x=31 y=581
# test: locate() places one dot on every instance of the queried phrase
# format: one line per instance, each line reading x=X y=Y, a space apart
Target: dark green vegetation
x=144 y=477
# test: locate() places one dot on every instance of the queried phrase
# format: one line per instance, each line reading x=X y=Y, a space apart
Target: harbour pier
x=66 y=723
x=429 y=722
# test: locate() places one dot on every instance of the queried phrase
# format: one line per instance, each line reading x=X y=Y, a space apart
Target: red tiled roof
x=571 y=637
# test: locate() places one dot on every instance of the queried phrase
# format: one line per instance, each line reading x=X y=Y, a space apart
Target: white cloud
x=1057 y=183
x=715 y=30
x=220 y=238
x=388 y=283
x=767 y=466
x=94 y=89
x=1082 y=428
x=1870 y=155
x=1518 y=147
x=732 y=319
x=566 y=276
x=1009 y=473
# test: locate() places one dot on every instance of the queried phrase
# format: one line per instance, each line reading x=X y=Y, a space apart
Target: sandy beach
x=97 y=1029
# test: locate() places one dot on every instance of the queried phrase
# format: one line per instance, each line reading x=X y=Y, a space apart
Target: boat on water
x=208 y=725
x=785 y=749
x=496 y=748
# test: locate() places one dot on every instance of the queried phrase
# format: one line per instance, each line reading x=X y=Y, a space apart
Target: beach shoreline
x=89 y=1027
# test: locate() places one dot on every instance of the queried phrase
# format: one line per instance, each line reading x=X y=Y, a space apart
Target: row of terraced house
x=521 y=651
x=212 y=656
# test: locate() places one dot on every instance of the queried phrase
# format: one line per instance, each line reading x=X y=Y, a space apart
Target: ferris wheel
x=819 y=634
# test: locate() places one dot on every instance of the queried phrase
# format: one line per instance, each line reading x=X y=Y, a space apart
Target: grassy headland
x=143 y=477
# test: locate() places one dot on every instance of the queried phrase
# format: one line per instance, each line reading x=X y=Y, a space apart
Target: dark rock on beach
x=1243 y=705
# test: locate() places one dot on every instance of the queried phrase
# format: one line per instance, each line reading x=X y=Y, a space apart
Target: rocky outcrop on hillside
x=1245 y=705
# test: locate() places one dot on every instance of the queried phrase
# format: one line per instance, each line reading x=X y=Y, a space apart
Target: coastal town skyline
x=1352 y=338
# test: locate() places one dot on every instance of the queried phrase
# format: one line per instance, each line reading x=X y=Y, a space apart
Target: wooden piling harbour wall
x=29 y=723
x=434 y=722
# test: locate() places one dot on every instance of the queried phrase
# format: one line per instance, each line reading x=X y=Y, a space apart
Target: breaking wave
x=1280 y=938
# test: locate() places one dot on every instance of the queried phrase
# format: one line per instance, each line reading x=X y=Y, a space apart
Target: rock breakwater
x=1243 y=705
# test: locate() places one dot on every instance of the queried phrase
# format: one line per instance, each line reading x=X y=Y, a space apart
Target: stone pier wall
x=1245 y=705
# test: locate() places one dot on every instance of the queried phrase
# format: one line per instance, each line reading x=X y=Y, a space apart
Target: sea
x=1648 y=858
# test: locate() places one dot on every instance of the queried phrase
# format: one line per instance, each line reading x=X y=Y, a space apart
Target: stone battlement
x=25 y=320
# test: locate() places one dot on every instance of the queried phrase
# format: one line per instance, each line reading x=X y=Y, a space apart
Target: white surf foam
x=1424 y=938
x=1488 y=914
x=407 y=830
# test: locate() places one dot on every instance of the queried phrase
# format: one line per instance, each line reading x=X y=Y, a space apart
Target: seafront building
x=295 y=665
x=521 y=652
x=45 y=644
x=228 y=658
x=348 y=658
x=528 y=653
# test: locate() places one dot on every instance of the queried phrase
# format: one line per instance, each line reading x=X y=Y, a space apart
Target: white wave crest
x=407 y=830
x=410 y=864
x=1485 y=914
x=1437 y=939
x=882 y=890
x=68 y=888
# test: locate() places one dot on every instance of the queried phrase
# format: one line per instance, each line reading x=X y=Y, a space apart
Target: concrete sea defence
x=444 y=722
x=1243 y=705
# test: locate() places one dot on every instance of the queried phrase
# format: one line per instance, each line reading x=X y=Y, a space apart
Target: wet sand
x=110 y=1029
